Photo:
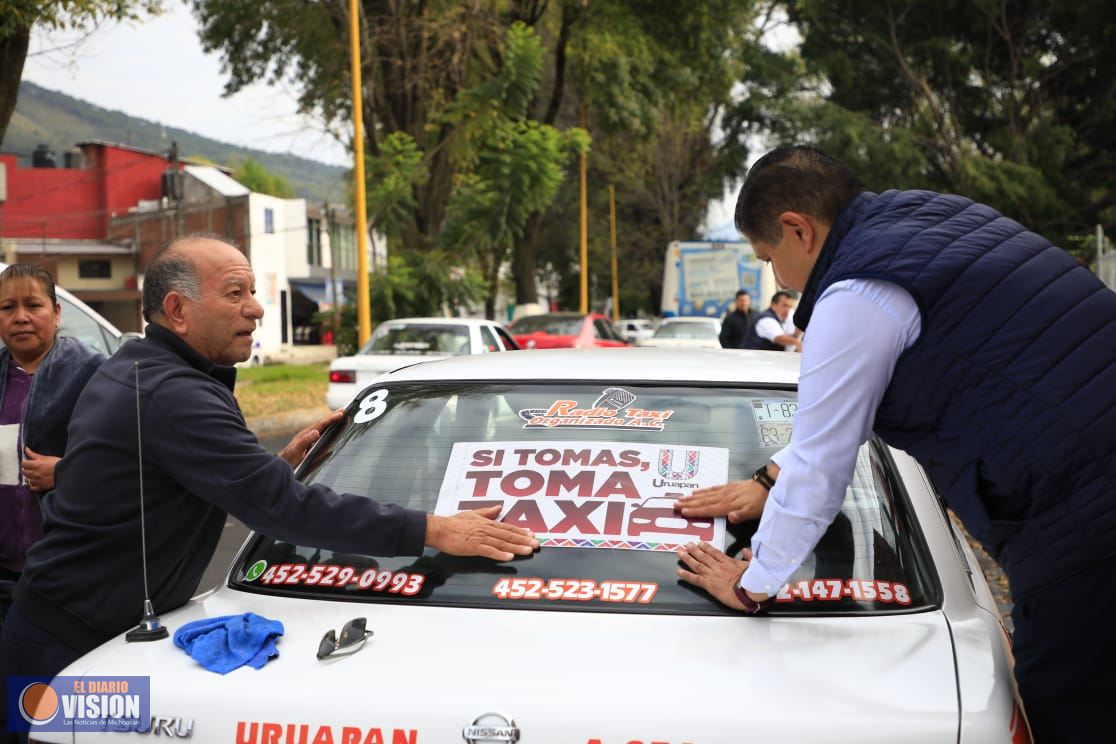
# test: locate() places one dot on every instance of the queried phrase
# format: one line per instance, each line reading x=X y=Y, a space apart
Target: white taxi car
x=396 y=343
x=887 y=633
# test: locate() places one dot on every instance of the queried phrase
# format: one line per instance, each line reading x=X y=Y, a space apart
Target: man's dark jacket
x=1008 y=397
x=83 y=582
x=736 y=328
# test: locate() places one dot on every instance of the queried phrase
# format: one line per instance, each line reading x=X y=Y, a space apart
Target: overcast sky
x=155 y=69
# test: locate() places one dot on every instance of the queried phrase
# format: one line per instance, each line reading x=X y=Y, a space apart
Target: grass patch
x=278 y=388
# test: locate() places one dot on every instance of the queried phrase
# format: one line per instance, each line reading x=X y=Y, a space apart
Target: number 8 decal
x=372 y=406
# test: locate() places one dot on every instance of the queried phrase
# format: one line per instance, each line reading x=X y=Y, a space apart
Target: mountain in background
x=47 y=117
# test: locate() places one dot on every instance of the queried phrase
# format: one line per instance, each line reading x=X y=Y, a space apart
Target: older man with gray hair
x=83 y=583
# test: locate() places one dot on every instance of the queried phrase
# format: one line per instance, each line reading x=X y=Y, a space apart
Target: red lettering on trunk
x=251 y=737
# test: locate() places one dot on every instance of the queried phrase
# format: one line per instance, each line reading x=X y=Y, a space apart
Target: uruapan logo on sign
x=78 y=703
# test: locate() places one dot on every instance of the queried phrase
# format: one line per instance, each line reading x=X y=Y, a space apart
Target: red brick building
x=60 y=216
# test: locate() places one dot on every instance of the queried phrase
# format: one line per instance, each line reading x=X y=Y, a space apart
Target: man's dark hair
x=31 y=271
x=780 y=295
x=741 y=292
x=793 y=179
x=169 y=271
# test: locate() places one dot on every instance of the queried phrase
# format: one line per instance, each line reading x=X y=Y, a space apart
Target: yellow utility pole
x=364 y=316
x=615 y=272
x=584 y=228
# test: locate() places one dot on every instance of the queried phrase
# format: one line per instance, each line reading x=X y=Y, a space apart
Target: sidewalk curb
x=287 y=422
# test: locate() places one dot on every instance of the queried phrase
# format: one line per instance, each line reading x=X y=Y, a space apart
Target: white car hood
x=428 y=672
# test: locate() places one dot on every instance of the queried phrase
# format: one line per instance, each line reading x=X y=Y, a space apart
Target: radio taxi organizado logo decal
x=611 y=410
x=77 y=703
x=491 y=727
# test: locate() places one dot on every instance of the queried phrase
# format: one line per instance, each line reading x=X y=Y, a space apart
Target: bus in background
x=702 y=278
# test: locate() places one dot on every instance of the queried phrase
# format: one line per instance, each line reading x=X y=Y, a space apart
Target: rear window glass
x=593 y=470
x=553 y=325
x=414 y=338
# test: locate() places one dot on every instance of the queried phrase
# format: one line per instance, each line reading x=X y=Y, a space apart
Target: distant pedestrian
x=985 y=352
x=774 y=329
x=736 y=328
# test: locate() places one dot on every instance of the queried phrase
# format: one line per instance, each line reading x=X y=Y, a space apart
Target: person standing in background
x=41 y=376
x=736 y=328
x=770 y=330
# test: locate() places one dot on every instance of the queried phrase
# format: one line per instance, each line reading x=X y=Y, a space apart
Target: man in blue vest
x=989 y=355
x=770 y=331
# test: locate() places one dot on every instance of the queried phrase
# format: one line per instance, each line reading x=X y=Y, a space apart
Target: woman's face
x=28 y=319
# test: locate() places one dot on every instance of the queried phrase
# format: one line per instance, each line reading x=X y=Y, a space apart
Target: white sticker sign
x=588 y=494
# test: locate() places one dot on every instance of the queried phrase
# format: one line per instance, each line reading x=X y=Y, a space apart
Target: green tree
x=509 y=166
x=257 y=178
x=656 y=79
x=18 y=17
x=1007 y=102
x=651 y=74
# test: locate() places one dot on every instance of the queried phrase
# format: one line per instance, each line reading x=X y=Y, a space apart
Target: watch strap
x=764 y=478
x=751 y=606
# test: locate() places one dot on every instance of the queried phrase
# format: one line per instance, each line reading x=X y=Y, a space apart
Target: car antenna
x=150 y=627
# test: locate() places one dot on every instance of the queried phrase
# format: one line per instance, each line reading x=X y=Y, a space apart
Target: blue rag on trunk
x=221 y=644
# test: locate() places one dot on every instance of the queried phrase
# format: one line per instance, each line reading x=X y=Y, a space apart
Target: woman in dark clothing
x=41 y=376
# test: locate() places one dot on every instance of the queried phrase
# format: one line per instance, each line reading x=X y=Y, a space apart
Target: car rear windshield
x=593 y=470
x=686 y=330
x=553 y=325
x=419 y=338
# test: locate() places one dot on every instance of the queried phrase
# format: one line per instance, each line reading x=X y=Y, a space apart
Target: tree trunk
x=13 y=52
x=526 y=285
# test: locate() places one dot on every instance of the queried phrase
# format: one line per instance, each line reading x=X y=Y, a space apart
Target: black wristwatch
x=751 y=606
x=762 y=477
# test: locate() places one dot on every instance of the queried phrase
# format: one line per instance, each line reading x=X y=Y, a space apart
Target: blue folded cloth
x=221 y=644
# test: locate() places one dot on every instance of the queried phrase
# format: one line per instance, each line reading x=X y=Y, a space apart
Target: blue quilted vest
x=756 y=341
x=1008 y=397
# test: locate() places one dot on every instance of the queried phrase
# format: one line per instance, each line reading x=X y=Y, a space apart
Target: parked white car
x=887 y=633
x=635 y=329
x=397 y=343
x=693 y=332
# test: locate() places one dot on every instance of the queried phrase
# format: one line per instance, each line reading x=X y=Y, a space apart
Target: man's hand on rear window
x=475 y=533
x=301 y=443
x=713 y=571
x=738 y=500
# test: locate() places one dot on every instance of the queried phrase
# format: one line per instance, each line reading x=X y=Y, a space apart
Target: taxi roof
x=623 y=365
